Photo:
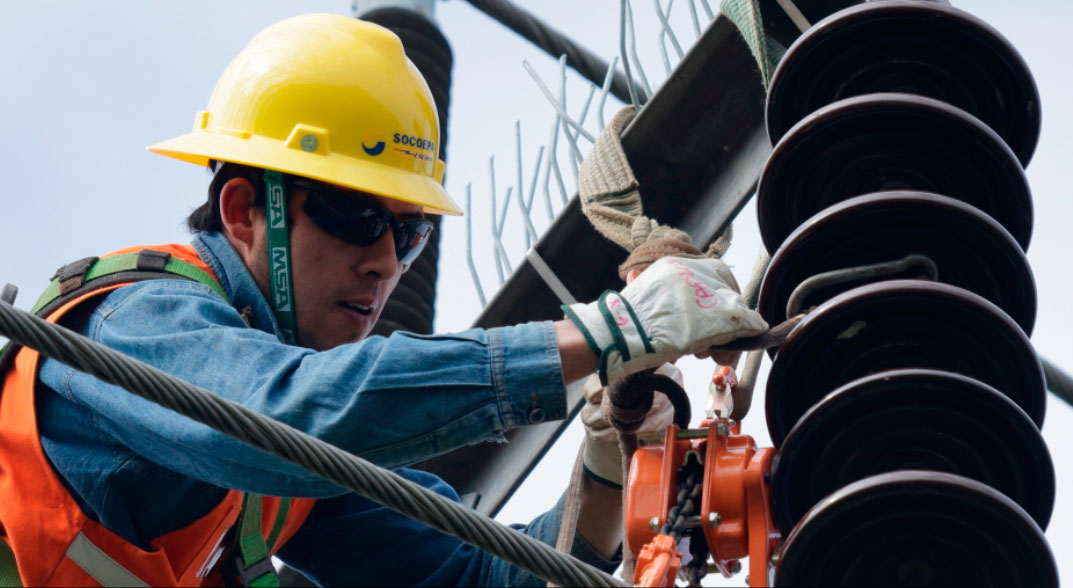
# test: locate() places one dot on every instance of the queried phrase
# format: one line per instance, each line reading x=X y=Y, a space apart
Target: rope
x=555 y=44
x=294 y=446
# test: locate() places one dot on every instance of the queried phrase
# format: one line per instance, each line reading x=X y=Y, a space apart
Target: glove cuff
x=613 y=331
x=603 y=460
x=592 y=476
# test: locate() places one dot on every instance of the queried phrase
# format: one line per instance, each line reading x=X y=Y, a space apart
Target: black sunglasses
x=361 y=221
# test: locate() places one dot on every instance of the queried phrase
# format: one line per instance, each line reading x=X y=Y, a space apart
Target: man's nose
x=379 y=258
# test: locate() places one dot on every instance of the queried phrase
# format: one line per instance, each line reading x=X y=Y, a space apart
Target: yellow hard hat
x=330 y=98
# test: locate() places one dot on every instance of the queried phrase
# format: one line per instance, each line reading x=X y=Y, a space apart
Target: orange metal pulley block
x=735 y=513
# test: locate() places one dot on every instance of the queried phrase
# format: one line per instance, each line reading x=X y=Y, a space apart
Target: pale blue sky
x=87 y=85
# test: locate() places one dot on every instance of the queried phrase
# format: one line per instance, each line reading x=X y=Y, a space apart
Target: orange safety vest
x=56 y=544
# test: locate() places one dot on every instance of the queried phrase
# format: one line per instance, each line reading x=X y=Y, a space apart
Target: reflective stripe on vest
x=95 y=562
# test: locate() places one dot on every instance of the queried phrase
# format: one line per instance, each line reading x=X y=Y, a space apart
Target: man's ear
x=239 y=215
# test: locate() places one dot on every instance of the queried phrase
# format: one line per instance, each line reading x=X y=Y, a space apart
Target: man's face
x=339 y=289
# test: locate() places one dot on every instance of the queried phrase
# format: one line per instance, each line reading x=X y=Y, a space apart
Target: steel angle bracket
x=697 y=149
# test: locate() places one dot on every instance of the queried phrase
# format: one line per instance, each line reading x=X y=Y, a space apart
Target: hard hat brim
x=199 y=147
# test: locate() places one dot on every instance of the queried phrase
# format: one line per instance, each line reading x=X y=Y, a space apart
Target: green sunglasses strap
x=279 y=257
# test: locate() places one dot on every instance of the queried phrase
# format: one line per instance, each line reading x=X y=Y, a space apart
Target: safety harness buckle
x=72 y=275
x=261 y=574
x=152 y=260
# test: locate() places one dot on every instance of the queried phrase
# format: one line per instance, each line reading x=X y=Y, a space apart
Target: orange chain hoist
x=734 y=516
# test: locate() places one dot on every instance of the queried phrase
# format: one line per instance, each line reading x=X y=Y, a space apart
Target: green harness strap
x=129 y=263
x=254 y=552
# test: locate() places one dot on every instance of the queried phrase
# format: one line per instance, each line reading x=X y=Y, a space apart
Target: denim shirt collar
x=216 y=251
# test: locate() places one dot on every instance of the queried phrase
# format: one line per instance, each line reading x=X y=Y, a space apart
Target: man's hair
x=206 y=218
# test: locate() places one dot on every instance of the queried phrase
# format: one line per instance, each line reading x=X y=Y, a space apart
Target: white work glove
x=602 y=456
x=676 y=307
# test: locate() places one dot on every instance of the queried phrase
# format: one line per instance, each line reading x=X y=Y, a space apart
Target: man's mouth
x=359 y=308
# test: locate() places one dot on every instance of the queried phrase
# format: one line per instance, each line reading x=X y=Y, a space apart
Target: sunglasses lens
x=363 y=223
x=346 y=218
x=410 y=239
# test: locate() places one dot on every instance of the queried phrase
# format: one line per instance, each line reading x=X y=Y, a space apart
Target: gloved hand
x=675 y=307
x=602 y=456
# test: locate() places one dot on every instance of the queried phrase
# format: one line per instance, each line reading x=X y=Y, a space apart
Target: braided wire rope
x=294 y=446
x=555 y=44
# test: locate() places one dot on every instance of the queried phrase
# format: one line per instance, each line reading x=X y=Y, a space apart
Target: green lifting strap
x=9 y=572
x=128 y=262
x=252 y=547
x=281 y=519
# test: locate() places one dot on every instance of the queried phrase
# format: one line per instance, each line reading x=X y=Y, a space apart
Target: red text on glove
x=618 y=309
x=704 y=298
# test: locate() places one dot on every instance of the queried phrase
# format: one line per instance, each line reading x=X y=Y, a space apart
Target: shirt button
x=537 y=415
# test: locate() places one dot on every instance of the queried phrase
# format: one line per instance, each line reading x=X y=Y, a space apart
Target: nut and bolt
x=734 y=566
x=722 y=430
x=654 y=524
x=714 y=519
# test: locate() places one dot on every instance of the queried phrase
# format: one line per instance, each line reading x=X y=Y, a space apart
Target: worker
x=323 y=141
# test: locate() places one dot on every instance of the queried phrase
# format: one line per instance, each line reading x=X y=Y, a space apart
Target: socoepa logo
x=281 y=277
x=373 y=141
x=415 y=147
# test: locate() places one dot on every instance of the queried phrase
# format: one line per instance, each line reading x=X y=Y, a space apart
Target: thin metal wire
x=666 y=24
x=560 y=183
x=575 y=153
x=622 y=53
x=566 y=118
x=581 y=119
x=708 y=10
x=693 y=16
x=291 y=445
x=663 y=40
x=532 y=188
x=499 y=233
x=530 y=230
x=469 y=247
x=633 y=49
x=494 y=227
x=603 y=94
x=553 y=138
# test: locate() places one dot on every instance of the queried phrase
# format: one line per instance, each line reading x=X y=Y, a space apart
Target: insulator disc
x=901 y=324
x=890 y=142
x=915 y=528
x=970 y=249
x=912 y=420
x=913 y=47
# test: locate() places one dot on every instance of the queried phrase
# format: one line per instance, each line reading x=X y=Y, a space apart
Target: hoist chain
x=680 y=521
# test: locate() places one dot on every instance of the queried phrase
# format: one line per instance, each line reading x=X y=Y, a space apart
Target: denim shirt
x=143 y=471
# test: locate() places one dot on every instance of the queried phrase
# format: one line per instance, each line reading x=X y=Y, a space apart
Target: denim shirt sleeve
x=394 y=400
x=352 y=541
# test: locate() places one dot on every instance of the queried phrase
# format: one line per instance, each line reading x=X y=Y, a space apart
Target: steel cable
x=1058 y=382
x=294 y=446
x=555 y=44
